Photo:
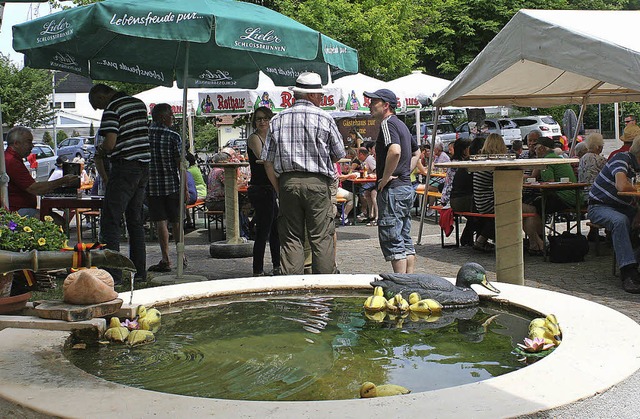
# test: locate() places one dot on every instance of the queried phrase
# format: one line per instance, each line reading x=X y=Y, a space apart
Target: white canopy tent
x=416 y=87
x=353 y=88
x=544 y=58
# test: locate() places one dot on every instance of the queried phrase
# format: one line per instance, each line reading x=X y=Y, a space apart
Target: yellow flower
x=61 y=229
x=48 y=218
x=27 y=229
x=42 y=241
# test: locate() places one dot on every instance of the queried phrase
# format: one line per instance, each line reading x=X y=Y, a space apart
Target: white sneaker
x=431 y=213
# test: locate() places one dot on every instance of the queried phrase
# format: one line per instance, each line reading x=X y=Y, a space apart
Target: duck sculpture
x=369 y=390
x=149 y=319
x=437 y=288
x=115 y=332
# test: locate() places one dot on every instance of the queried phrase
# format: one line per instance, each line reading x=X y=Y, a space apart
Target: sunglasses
x=626 y=121
x=263 y=119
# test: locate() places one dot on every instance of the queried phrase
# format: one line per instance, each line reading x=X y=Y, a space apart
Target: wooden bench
x=213 y=216
x=466 y=214
x=436 y=195
x=197 y=206
x=598 y=227
x=341 y=203
x=92 y=217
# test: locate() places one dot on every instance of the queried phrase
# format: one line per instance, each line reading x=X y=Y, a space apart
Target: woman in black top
x=262 y=196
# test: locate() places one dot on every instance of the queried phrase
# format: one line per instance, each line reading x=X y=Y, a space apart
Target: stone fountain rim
x=36 y=377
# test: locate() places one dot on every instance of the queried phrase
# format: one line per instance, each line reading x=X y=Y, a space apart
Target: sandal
x=485 y=247
x=162 y=266
x=372 y=223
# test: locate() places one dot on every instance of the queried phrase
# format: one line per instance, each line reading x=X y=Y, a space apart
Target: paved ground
x=358 y=252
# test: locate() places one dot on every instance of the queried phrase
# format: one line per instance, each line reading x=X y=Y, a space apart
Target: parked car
x=46 y=159
x=545 y=123
x=446 y=132
x=507 y=128
x=238 y=145
x=77 y=147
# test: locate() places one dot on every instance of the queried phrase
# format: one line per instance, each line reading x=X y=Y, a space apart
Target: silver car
x=503 y=126
x=46 y=159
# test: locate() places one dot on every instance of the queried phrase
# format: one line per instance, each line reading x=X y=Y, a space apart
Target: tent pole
x=4 y=178
x=616 y=121
x=575 y=134
x=183 y=170
x=425 y=200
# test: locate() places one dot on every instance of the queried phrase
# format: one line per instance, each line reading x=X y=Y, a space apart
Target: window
x=69 y=105
x=57 y=105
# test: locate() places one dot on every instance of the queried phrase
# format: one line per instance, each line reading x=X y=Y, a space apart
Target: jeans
x=263 y=200
x=394 y=222
x=124 y=195
x=618 y=221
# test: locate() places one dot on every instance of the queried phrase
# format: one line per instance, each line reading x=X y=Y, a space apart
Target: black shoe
x=630 y=279
x=630 y=286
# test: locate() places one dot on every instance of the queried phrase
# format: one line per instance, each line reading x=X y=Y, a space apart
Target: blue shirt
x=603 y=191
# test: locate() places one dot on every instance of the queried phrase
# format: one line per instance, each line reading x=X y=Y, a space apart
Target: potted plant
x=23 y=234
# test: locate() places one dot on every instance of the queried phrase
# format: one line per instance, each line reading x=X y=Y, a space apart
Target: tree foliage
x=381 y=31
x=24 y=94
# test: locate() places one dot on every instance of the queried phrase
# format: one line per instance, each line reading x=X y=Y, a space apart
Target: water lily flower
x=42 y=241
x=27 y=229
x=48 y=218
x=130 y=324
x=535 y=345
x=12 y=225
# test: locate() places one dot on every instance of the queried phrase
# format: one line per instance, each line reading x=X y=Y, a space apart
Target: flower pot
x=5 y=284
x=14 y=304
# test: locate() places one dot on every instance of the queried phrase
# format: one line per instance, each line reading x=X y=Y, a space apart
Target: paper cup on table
x=564 y=180
x=356 y=174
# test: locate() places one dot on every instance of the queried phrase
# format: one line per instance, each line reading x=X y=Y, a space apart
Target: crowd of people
x=299 y=167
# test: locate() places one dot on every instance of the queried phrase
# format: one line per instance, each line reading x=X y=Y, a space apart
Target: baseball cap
x=384 y=94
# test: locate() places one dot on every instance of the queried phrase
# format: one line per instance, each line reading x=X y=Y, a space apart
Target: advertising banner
x=245 y=101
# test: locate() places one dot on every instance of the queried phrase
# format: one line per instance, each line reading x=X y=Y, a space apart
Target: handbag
x=568 y=247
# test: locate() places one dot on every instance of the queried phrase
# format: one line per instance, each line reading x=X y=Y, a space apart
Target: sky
x=15 y=13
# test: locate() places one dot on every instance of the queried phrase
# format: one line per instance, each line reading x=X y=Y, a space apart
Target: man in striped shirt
x=616 y=213
x=299 y=155
x=396 y=156
x=126 y=146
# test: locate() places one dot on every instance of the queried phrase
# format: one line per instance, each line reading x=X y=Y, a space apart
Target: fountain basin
x=599 y=349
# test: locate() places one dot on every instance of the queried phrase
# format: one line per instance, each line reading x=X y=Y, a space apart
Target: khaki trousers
x=305 y=204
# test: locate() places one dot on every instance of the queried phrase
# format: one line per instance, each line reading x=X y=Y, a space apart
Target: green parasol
x=198 y=43
x=146 y=42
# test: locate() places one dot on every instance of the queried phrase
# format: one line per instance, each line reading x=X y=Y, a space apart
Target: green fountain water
x=310 y=348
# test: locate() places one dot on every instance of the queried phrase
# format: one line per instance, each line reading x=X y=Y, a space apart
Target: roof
x=543 y=58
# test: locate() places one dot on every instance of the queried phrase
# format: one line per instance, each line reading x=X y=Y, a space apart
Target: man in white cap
x=299 y=155
x=396 y=156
